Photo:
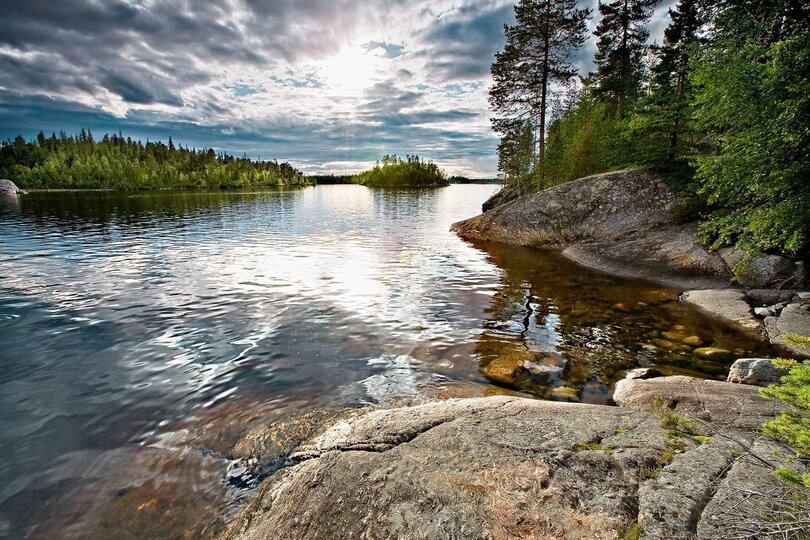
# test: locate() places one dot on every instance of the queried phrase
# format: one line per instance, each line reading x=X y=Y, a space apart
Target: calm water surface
x=144 y=333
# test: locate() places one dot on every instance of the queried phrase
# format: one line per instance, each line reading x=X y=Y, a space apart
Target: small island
x=396 y=172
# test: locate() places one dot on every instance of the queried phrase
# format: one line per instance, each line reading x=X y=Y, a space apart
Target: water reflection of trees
x=76 y=210
x=556 y=324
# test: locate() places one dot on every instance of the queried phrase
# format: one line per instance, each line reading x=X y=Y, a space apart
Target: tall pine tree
x=660 y=124
x=622 y=42
x=536 y=57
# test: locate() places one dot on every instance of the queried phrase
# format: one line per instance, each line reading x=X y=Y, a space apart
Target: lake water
x=144 y=333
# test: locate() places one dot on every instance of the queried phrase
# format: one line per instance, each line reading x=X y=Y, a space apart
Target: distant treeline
x=721 y=108
x=393 y=171
x=116 y=162
x=465 y=180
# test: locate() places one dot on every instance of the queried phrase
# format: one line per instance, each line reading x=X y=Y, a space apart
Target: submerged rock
x=714 y=353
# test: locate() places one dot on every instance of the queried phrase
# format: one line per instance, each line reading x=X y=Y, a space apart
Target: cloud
x=322 y=83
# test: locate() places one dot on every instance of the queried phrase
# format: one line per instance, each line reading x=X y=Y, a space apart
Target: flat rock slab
x=791 y=330
x=512 y=468
x=729 y=305
x=751 y=502
x=463 y=469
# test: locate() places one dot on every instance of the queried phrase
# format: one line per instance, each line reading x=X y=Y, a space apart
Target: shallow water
x=144 y=333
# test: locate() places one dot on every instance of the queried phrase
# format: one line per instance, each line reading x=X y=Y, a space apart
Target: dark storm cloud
x=155 y=68
x=462 y=47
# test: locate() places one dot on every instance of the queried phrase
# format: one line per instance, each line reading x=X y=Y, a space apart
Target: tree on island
x=396 y=172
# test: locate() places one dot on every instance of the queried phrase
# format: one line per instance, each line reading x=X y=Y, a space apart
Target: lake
x=144 y=333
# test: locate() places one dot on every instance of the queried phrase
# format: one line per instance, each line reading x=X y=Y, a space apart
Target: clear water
x=144 y=333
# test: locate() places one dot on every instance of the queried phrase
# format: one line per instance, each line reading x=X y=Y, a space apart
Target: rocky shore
x=677 y=457
x=628 y=223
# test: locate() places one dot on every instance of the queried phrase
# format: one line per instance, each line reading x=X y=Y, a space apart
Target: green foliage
x=411 y=172
x=632 y=532
x=783 y=363
x=580 y=142
x=791 y=476
x=793 y=424
x=118 y=163
x=754 y=106
x=537 y=60
x=797 y=340
x=622 y=34
x=723 y=112
x=516 y=150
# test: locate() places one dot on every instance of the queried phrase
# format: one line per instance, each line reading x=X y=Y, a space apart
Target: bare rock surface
x=515 y=468
x=625 y=223
x=730 y=305
x=769 y=297
x=756 y=371
x=791 y=330
x=7 y=187
x=750 y=502
x=505 y=195
x=620 y=222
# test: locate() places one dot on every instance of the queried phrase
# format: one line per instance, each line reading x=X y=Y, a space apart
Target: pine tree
x=537 y=56
x=622 y=36
x=515 y=150
x=661 y=120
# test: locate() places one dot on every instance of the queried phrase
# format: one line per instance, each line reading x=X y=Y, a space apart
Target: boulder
x=755 y=371
x=730 y=305
x=770 y=270
x=769 y=297
x=620 y=222
x=7 y=187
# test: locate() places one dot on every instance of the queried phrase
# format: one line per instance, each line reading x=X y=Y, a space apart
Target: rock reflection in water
x=560 y=331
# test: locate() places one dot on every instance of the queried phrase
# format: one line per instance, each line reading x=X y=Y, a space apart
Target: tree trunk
x=622 y=93
x=544 y=99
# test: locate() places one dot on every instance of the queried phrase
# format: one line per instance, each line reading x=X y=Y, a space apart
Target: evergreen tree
x=622 y=36
x=537 y=56
x=662 y=118
x=515 y=151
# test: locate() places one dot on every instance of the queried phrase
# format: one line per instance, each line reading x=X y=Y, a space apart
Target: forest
x=721 y=108
x=393 y=171
x=73 y=162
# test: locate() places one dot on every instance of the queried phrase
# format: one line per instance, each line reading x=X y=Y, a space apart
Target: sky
x=328 y=85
